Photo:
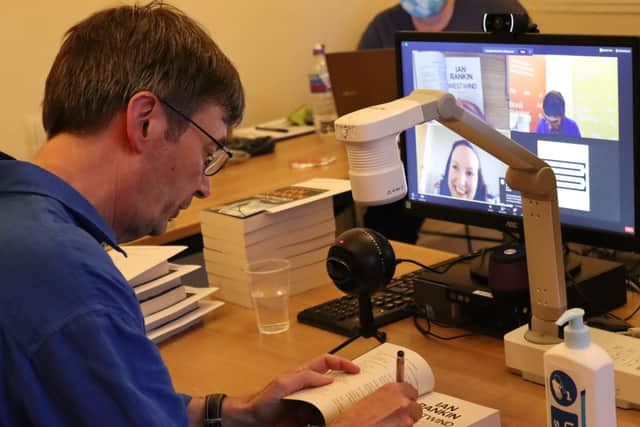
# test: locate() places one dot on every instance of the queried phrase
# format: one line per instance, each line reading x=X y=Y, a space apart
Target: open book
x=377 y=367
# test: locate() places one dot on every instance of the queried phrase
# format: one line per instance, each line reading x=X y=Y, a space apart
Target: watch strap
x=213 y=410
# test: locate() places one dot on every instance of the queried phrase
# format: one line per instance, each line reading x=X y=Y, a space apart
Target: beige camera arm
x=377 y=177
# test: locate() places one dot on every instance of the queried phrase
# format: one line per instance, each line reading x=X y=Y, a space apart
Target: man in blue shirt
x=124 y=155
x=554 y=121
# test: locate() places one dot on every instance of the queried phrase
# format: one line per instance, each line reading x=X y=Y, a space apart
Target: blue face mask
x=423 y=8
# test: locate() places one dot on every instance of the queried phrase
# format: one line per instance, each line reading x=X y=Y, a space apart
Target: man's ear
x=146 y=120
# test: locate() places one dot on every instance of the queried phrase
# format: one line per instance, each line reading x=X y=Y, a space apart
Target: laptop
x=362 y=78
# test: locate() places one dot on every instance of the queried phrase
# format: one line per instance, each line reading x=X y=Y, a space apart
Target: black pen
x=400 y=367
x=270 y=129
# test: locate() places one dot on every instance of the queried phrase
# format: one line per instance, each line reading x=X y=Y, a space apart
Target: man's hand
x=392 y=405
x=266 y=408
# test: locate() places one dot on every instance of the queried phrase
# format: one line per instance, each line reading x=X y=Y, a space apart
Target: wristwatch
x=213 y=410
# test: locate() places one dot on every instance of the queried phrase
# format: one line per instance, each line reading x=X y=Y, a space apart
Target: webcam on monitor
x=506 y=23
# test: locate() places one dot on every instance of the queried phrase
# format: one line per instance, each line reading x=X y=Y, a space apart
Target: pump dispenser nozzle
x=576 y=334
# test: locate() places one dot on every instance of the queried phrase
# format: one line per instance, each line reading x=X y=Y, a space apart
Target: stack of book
x=168 y=306
x=294 y=222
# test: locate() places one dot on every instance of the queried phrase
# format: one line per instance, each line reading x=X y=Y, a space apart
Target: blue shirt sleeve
x=570 y=128
x=104 y=355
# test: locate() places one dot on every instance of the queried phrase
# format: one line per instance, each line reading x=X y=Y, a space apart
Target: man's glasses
x=214 y=161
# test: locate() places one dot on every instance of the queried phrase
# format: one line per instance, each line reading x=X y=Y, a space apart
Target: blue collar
x=23 y=177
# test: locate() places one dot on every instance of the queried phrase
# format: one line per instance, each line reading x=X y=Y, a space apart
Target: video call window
x=563 y=103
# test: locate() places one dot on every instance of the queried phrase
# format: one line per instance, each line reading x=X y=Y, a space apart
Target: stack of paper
x=168 y=306
x=295 y=222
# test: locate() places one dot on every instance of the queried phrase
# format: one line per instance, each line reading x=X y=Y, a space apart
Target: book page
x=377 y=368
x=430 y=70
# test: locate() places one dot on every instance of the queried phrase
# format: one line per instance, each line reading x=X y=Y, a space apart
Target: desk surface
x=258 y=174
x=228 y=354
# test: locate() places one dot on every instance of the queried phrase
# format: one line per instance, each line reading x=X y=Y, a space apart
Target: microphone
x=360 y=262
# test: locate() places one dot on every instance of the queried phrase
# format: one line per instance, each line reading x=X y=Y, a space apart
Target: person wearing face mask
x=432 y=16
x=428 y=16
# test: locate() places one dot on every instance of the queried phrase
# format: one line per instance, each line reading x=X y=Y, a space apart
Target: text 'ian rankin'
x=441 y=413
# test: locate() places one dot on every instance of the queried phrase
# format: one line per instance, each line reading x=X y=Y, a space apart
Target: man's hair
x=115 y=53
x=553 y=104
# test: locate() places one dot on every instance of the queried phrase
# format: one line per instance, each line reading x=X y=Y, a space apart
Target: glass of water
x=269 y=287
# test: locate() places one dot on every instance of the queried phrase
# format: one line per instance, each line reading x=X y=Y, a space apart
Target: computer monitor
x=571 y=100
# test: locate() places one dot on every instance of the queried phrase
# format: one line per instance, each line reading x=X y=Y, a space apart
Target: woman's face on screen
x=463 y=173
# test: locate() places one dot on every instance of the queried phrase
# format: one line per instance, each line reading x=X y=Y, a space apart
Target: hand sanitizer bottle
x=578 y=378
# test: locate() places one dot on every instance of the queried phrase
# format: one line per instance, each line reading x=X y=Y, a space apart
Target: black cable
x=468 y=236
x=514 y=237
x=609 y=314
x=632 y=314
x=427 y=332
x=441 y=268
x=461 y=236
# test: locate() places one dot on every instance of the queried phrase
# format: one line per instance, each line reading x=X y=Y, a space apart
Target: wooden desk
x=258 y=174
x=228 y=354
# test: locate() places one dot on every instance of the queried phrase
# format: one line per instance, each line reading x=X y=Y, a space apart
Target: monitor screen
x=571 y=100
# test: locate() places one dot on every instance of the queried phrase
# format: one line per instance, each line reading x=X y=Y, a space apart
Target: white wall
x=269 y=41
x=585 y=16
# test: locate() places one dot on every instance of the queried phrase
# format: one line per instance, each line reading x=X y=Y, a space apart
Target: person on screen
x=422 y=15
x=136 y=104
x=432 y=16
x=554 y=121
x=462 y=177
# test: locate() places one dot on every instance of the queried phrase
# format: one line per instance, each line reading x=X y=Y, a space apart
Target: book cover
x=377 y=367
x=264 y=202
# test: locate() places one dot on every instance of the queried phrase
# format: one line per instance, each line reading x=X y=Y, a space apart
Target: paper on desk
x=281 y=123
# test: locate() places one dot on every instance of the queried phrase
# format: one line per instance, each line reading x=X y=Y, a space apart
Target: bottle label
x=568 y=404
x=560 y=418
x=319 y=83
x=563 y=389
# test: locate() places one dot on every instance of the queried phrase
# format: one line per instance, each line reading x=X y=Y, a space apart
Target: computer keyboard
x=340 y=315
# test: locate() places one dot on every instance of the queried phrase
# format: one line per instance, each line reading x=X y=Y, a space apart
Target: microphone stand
x=367 y=327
